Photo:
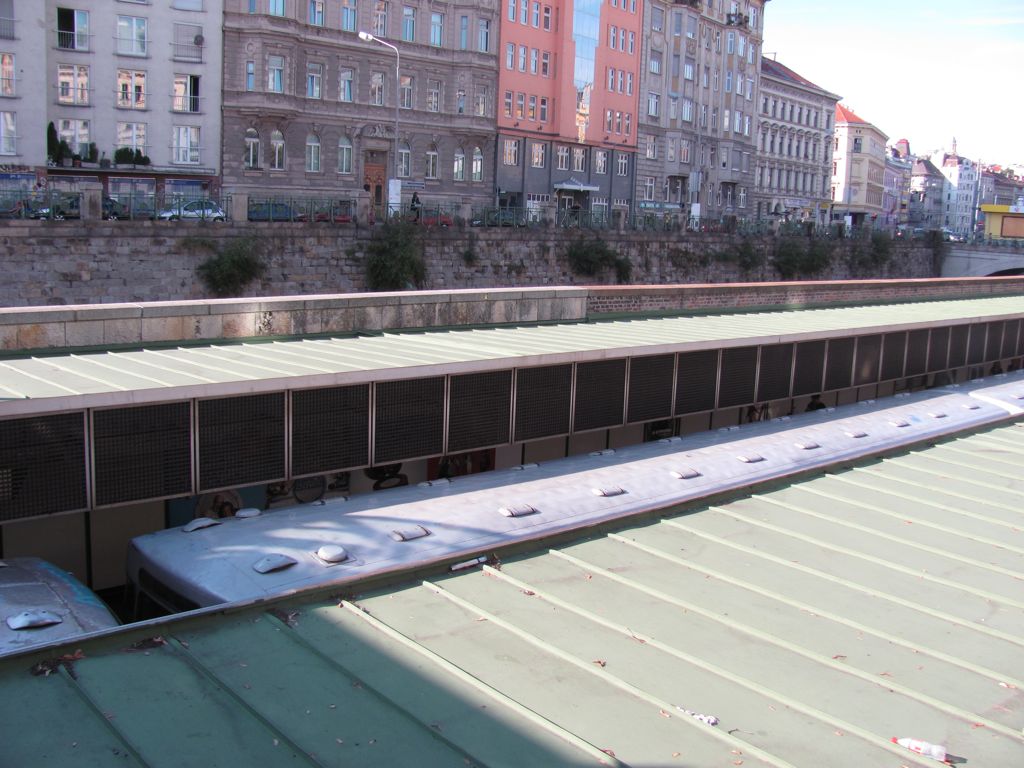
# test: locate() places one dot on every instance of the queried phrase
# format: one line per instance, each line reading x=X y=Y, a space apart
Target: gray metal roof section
x=118 y=378
x=815 y=621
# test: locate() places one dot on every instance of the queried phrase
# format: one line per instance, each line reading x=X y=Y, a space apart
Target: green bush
x=801 y=257
x=393 y=258
x=744 y=255
x=588 y=257
x=236 y=265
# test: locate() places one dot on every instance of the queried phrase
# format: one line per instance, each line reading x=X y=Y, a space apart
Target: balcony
x=7 y=29
x=187 y=103
x=131 y=99
x=72 y=40
x=132 y=46
x=188 y=51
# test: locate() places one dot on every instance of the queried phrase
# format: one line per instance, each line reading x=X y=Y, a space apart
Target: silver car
x=195 y=209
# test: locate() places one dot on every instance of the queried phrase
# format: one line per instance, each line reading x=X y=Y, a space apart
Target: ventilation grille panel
x=958 y=335
x=810 y=363
x=1010 y=328
x=479 y=410
x=869 y=351
x=840 y=363
x=650 y=388
x=938 y=350
x=894 y=351
x=142 y=452
x=775 y=373
x=696 y=381
x=994 y=341
x=976 y=346
x=409 y=419
x=736 y=384
x=600 y=392
x=543 y=397
x=42 y=465
x=917 y=352
x=330 y=429
x=241 y=440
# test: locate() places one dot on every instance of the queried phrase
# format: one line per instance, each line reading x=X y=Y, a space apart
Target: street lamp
x=367 y=37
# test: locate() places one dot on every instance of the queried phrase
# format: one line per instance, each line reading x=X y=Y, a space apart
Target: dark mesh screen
x=600 y=394
x=736 y=384
x=330 y=429
x=409 y=419
x=543 y=396
x=810 y=364
x=1020 y=339
x=479 y=410
x=241 y=440
x=839 y=370
x=894 y=349
x=917 y=352
x=650 y=388
x=42 y=465
x=994 y=341
x=958 y=345
x=142 y=453
x=1009 y=338
x=775 y=373
x=865 y=369
x=696 y=380
x=976 y=345
x=938 y=350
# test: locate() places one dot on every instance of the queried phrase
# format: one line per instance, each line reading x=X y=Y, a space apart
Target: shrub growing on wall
x=588 y=257
x=228 y=271
x=801 y=257
x=394 y=261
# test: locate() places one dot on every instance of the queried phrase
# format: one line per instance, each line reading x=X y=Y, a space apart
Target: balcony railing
x=71 y=40
x=130 y=99
x=186 y=52
x=75 y=96
x=131 y=46
x=6 y=29
x=185 y=155
x=186 y=103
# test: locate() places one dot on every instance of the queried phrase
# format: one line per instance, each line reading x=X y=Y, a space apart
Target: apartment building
x=896 y=190
x=139 y=76
x=568 y=84
x=927 y=193
x=22 y=85
x=312 y=109
x=698 y=94
x=793 y=173
x=960 y=203
x=858 y=169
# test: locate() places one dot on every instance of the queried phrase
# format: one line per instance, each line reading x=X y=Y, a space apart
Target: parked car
x=113 y=210
x=59 y=207
x=195 y=209
x=437 y=219
x=275 y=212
x=342 y=212
x=501 y=217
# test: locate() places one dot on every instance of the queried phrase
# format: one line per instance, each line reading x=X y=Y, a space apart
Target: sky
x=923 y=70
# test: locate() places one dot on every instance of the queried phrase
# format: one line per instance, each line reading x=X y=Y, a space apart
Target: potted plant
x=63 y=153
x=104 y=161
x=124 y=156
x=52 y=144
x=92 y=155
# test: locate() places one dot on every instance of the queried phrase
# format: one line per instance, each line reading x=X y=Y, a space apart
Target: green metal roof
x=816 y=620
x=118 y=378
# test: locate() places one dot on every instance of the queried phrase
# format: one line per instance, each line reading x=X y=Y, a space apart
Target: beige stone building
x=794 y=146
x=310 y=108
x=858 y=169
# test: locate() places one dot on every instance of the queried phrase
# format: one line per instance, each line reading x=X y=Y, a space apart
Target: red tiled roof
x=776 y=69
x=847 y=115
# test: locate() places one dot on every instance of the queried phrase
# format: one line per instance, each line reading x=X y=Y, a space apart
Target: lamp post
x=367 y=37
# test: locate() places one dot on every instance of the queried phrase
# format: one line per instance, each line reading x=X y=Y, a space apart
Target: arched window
x=251 y=160
x=404 y=160
x=430 y=169
x=277 y=151
x=312 y=153
x=459 y=166
x=344 y=155
x=478 y=164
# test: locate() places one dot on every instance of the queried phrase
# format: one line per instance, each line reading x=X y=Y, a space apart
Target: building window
x=858 y=144
x=562 y=155
x=7 y=74
x=535 y=14
x=688 y=68
x=72 y=84
x=651 y=148
x=251 y=161
x=345 y=90
x=478 y=164
x=186 y=93
x=655 y=62
x=437 y=29
x=188 y=42
x=538 y=154
x=522 y=58
x=314 y=80
x=275 y=7
x=459 y=165
x=657 y=18
x=534 y=54
x=622 y=161
x=405 y=92
x=520 y=105
x=316 y=12
x=377 y=88
x=543 y=112
x=547 y=18
x=72 y=29
x=131 y=89
x=688 y=110
x=408 y=24
x=460 y=101
x=648 y=188
x=344 y=154
x=545 y=64
x=684 y=150
x=531 y=110
x=523 y=10
x=380 y=18
x=483 y=100
x=348 y=15
x=433 y=95
x=277 y=151
x=312 y=153
x=653 y=104
x=483 y=38
x=185 y=149
x=508 y=103
x=132 y=136
x=579 y=159
x=275 y=74
x=600 y=161
x=131 y=36
x=511 y=10
x=250 y=75
x=430 y=163
x=511 y=153
x=75 y=133
x=510 y=55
